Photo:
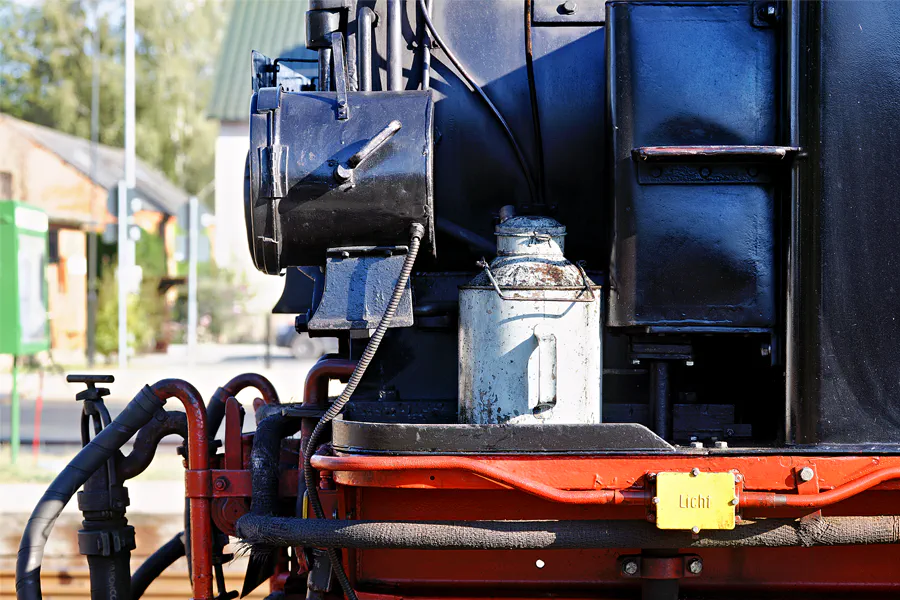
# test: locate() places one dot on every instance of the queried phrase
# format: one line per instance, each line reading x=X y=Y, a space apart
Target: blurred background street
x=123 y=136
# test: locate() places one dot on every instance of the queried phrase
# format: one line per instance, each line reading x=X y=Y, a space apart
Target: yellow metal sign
x=695 y=501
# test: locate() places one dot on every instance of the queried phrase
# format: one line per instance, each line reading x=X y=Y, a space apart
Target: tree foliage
x=46 y=65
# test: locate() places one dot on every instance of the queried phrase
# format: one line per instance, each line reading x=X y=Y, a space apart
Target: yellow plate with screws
x=695 y=501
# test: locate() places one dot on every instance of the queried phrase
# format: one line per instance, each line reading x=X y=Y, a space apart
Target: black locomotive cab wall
x=722 y=170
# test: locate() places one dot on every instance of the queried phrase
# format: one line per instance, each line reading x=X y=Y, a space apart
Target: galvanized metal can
x=530 y=333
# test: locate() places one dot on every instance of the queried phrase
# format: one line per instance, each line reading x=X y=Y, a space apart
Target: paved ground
x=212 y=366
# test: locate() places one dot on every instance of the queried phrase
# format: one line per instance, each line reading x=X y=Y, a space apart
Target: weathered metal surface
x=358 y=286
x=529 y=333
x=702 y=253
x=303 y=196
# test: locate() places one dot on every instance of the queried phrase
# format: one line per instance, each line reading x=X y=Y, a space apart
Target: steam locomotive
x=613 y=286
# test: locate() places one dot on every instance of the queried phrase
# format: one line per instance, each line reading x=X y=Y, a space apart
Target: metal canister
x=530 y=333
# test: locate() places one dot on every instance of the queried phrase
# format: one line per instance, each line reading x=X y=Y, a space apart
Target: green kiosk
x=23 y=292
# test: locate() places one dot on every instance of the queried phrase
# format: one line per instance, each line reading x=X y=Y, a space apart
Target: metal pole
x=193 y=244
x=394 y=43
x=14 y=412
x=92 y=233
x=125 y=256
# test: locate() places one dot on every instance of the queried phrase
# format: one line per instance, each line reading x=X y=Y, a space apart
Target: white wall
x=231 y=249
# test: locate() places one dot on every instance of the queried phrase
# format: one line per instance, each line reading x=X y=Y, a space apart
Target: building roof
x=152 y=186
x=277 y=28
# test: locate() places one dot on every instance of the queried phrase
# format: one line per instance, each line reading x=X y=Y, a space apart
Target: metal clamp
x=587 y=285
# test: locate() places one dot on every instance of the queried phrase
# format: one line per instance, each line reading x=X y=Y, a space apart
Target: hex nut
x=695 y=566
x=630 y=567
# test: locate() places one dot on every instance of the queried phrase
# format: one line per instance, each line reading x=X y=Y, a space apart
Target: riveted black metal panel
x=693 y=232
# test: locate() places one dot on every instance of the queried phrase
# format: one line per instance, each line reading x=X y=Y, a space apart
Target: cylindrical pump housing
x=530 y=333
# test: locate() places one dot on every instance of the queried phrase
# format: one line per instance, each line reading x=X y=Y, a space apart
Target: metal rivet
x=689 y=363
x=806 y=474
x=695 y=529
x=569 y=7
x=695 y=472
x=630 y=567
x=656 y=172
x=655 y=499
x=539 y=564
x=734 y=502
x=697 y=445
x=695 y=566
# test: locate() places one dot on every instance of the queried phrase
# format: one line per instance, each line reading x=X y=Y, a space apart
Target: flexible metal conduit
x=561 y=535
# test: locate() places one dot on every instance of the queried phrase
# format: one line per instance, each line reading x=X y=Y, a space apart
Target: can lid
x=529 y=225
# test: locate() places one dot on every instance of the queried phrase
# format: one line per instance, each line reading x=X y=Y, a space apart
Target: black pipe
x=264 y=461
x=535 y=109
x=147 y=441
x=426 y=52
x=560 y=535
x=366 y=20
x=394 y=44
x=135 y=415
x=660 y=399
x=164 y=557
x=474 y=241
x=324 y=83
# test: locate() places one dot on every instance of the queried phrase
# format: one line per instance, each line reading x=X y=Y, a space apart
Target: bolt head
x=770 y=10
x=221 y=484
x=635 y=361
x=568 y=7
x=697 y=445
x=695 y=472
x=806 y=474
x=695 y=530
x=721 y=445
x=734 y=502
x=695 y=565
x=689 y=363
x=655 y=499
x=630 y=567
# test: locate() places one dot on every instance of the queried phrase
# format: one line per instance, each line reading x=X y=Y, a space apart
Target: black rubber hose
x=309 y=474
x=264 y=460
x=560 y=535
x=110 y=576
x=164 y=557
x=135 y=415
x=147 y=441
